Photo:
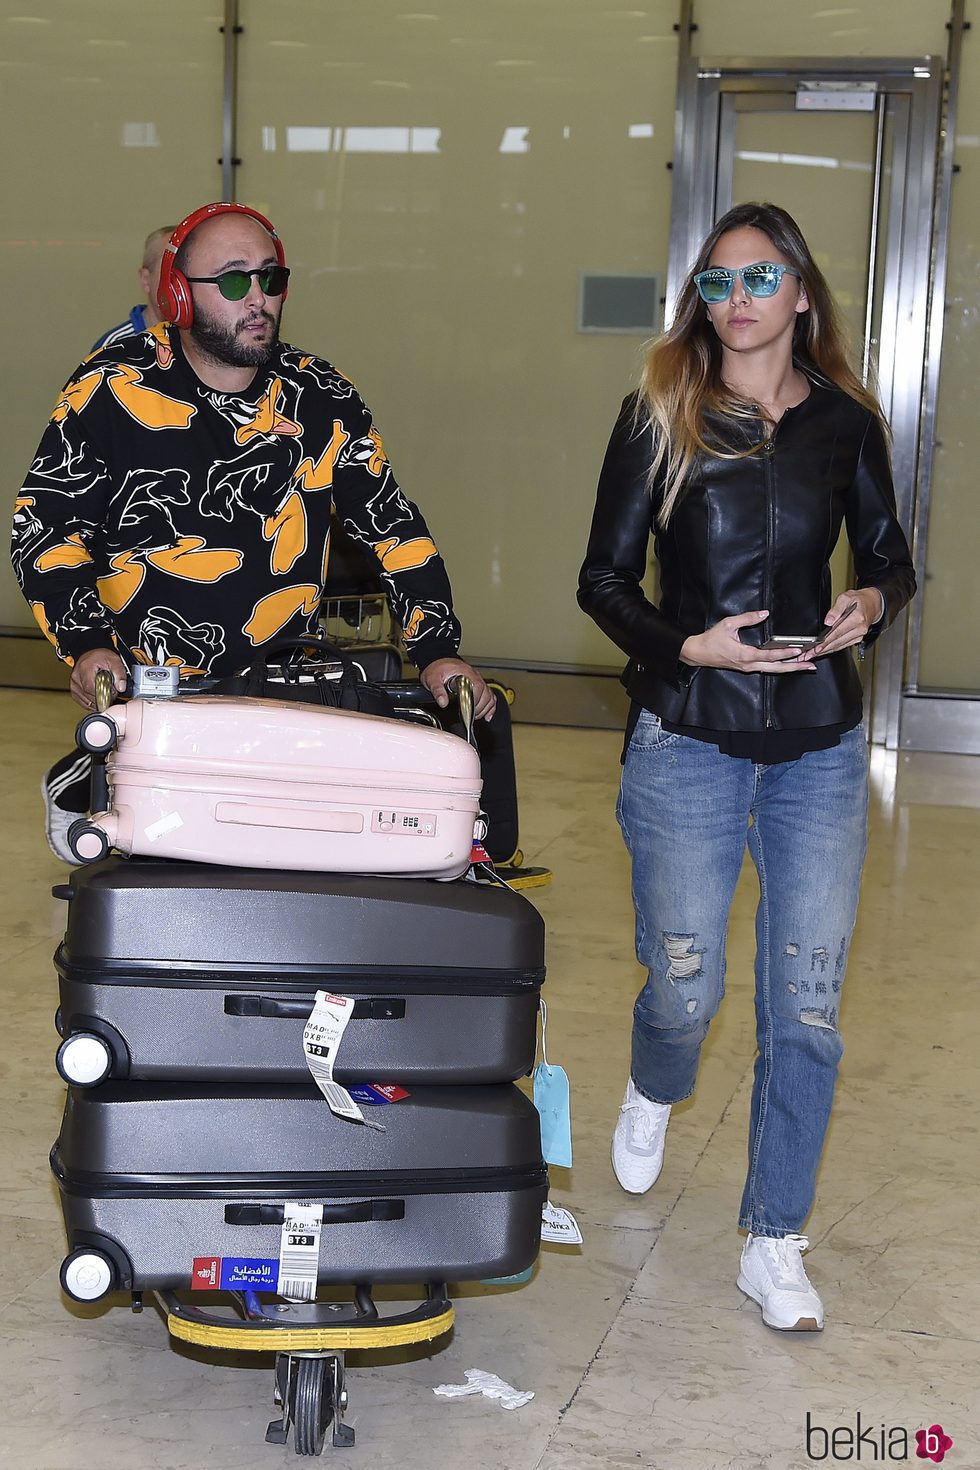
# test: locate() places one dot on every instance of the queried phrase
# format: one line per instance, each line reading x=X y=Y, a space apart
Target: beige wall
x=815 y=28
x=445 y=278
x=111 y=112
x=437 y=260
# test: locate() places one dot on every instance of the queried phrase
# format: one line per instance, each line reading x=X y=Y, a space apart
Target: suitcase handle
x=347 y=1214
x=274 y=1007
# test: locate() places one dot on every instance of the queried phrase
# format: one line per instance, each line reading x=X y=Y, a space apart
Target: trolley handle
x=342 y=1214
x=105 y=695
x=105 y=690
x=462 y=687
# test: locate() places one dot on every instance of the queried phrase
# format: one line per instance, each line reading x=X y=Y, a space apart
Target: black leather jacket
x=745 y=534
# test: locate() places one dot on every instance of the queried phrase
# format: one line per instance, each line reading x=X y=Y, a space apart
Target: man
x=141 y=318
x=177 y=510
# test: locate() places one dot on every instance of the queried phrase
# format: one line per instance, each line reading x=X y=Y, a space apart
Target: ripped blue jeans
x=686 y=812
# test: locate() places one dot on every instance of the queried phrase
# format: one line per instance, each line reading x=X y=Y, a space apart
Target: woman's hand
x=870 y=607
x=719 y=647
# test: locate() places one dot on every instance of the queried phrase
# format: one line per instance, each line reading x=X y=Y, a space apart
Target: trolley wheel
x=311 y=1391
x=83 y=1059
x=96 y=734
x=88 y=842
x=87 y=1275
x=312 y=1405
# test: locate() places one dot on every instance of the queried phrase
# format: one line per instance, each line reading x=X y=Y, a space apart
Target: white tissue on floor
x=489 y=1385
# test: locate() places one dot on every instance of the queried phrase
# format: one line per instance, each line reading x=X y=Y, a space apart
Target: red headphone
x=174 y=292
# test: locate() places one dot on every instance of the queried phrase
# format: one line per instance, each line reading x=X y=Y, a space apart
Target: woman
x=749 y=443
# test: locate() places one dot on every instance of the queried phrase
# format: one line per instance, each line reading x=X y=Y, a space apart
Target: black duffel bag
x=494 y=740
x=308 y=670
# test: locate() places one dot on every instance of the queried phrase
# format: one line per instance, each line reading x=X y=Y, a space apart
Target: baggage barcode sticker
x=299 y=1250
x=322 y=1036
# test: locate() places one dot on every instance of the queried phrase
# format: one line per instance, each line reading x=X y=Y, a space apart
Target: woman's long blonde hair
x=682 y=381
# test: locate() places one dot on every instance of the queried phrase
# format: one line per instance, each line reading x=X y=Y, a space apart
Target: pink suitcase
x=263 y=783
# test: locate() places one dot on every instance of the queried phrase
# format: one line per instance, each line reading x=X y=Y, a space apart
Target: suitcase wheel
x=87 y=1275
x=84 y=1059
x=96 y=734
x=87 y=841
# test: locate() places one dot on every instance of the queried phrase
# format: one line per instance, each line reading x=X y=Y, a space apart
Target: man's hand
x=435 y=676
x=87 y=665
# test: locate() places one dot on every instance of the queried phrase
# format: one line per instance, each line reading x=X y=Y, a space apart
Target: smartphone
x=806 y=641
x=785 y=640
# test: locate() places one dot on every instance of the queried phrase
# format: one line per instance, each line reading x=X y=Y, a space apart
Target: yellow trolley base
x=309 y=1340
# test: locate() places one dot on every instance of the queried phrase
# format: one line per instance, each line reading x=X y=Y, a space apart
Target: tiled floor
x=639 y=1348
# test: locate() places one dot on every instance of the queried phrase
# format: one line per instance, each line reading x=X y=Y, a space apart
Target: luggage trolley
x=309 y=1340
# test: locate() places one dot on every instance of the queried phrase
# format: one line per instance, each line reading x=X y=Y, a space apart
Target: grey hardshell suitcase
x=156 y=1180
x=177 y=971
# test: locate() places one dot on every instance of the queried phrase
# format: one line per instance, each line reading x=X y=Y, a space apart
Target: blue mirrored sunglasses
x=234 y=285
x=763 y=278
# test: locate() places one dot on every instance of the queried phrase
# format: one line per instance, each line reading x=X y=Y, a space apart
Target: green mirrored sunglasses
x=235 y=285
x=762 y=278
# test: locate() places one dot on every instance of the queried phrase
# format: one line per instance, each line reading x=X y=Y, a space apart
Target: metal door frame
x=911 y=96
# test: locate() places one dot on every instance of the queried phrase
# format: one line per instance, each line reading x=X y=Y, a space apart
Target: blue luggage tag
x=551 y=1098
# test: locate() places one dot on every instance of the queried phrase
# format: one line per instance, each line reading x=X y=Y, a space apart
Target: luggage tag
x=559 y=1225
x=481 y=868
x=299 y=1250
x=519 y=1278
x=551 y=1098
x=375 y=1093
x=322 y=1035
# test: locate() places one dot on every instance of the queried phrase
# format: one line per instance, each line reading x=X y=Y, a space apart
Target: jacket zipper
x=768 y=450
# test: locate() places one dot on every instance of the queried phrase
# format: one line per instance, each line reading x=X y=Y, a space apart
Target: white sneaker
x=771 y=1273
x=638 y=1141
x=56 y=824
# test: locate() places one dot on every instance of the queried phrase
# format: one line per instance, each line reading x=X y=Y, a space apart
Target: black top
x=767 y=749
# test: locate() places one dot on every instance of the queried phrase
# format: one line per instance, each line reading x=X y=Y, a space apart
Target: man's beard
x=222 y=344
